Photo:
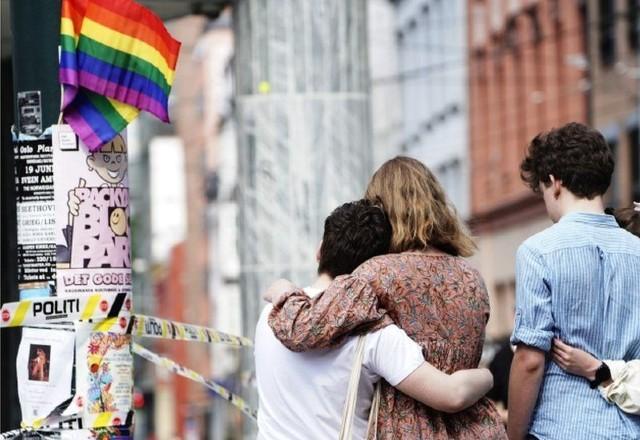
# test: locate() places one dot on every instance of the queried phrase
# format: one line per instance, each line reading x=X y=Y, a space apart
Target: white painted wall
x=168 y=195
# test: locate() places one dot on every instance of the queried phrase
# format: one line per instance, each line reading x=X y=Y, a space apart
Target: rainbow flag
x=116 y=59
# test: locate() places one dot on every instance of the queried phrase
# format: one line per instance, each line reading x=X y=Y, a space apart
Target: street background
x=282 y=109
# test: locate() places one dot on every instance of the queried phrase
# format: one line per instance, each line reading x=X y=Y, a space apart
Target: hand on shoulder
x=276 y=293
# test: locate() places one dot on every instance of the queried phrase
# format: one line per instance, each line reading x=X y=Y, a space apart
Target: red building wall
x=525 y=76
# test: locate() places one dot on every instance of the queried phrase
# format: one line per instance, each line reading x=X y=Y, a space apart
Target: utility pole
x=35 y=28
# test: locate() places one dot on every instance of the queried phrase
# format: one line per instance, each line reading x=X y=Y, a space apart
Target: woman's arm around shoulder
x=302 y=323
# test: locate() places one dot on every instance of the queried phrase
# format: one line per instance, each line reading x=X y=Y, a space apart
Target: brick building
x=527 y=73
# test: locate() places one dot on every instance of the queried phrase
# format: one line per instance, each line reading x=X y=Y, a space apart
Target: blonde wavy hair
x=418 y=210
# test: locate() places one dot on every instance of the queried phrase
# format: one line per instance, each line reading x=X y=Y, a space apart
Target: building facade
x=528 y=72
x=432 y=78
x=386 y=89
x=614 y=52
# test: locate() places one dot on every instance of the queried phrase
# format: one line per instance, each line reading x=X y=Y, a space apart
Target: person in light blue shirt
x=578 y=281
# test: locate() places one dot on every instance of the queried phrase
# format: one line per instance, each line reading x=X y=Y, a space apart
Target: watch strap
x=603 y=373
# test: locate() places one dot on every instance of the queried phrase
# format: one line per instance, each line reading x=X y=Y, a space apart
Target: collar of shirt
x=591 y=219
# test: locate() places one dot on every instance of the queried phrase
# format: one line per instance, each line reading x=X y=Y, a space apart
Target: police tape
x=107 y=310
x=176 y=368
x=50 y=310
x=65 y=417
x=109 y=419
x=52 y=423
x=49 y=427
x=12 y=434
x=149 y=326
x=75 y=426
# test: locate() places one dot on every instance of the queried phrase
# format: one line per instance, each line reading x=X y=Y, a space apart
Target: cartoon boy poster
x=93 y=237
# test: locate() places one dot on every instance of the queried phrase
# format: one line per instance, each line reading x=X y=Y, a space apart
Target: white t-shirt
x=302 y=395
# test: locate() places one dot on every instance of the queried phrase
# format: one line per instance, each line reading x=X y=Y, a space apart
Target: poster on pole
x=92 y=233
x=104 y=375
x=44 y=368
x=35 y=209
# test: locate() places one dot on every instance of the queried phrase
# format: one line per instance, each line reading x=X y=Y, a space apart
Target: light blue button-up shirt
x=579 y=280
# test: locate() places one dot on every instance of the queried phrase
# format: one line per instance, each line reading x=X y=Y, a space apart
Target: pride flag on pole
x=117 y=58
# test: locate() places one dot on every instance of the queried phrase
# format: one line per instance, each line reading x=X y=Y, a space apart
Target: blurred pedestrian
x=424 y=285
x=579 y=281
x=499 y=368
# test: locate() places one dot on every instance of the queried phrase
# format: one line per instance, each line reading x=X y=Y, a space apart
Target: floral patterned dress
x=440 y=302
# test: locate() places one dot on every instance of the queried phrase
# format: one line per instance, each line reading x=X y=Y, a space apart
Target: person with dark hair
x=627 y=218
x=578 y=281
x=353 y=233
x=302 y=395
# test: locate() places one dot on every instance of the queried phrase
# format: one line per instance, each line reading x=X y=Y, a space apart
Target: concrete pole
x=302 y=105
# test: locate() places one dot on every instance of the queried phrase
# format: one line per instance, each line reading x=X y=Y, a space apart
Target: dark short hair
x=574 y=154
x=627 y=218
x=353 y=233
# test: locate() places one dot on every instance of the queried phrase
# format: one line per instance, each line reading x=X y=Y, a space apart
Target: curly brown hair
x=575 y=154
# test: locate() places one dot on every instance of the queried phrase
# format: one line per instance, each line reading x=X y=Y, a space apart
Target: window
x=536 y=27
x=496 y=15
x=555 y=13
x=607 y=40
x=479 y=24
x=511 y=35
x=633 y=16
x=450 y=177
x=480 y=64
x=634 y=144
x=514 y=6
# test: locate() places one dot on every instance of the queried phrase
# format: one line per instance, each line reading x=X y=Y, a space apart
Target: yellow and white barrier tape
x=54 y=422
x=176 y=368
x=75 y=425
x=55 y=309
x=108 y=419
x=149 y=326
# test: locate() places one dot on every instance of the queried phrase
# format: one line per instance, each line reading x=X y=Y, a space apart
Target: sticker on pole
x=30 y=112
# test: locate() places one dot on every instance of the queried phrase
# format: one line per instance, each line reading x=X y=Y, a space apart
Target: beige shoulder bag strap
x=352 y=396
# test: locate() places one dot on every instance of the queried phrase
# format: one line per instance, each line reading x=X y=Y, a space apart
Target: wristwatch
x=603 y=374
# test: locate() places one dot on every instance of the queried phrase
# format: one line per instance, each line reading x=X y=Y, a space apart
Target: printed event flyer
x=44 y=370
x=104 y=373
x=35 y=208
x=92 y=215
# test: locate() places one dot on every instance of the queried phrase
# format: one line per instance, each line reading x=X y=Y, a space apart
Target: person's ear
x=557 y=186
x=318 y=251
x=91 y=162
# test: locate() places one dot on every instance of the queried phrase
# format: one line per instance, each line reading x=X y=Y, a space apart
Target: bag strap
x=352 y=396
x=372 y=428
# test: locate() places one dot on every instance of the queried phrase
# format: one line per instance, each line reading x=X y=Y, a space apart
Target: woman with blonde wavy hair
x=423 y=285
